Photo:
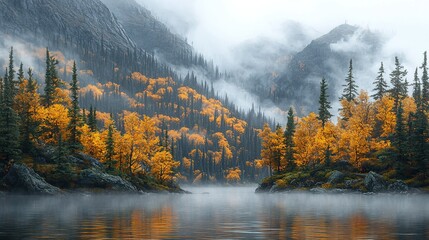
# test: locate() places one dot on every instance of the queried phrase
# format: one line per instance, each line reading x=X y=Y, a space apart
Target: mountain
x=78 y=21
x=327 y=56
x=126 y=67
x=147 y=32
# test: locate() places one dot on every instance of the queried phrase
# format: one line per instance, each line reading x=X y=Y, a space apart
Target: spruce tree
x=417 y=91
x=20 y=74
x=324 y=104
x=425 y=83
x=9 y=129
x=110 y=148
x=49 y=88
x=350 y=88
x=74 y=112
x=289 y=133
x=380 y=84
x=399 y=84
x=400 y=139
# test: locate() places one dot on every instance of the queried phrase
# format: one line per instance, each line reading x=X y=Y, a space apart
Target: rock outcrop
x=335 y=177
x=94 y=178
x=20 y=178
x=375 y=182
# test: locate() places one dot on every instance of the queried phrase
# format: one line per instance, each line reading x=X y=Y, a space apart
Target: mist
x=253 y=38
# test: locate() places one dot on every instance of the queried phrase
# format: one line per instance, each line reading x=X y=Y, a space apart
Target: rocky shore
x=334 y=182
x=79 y=174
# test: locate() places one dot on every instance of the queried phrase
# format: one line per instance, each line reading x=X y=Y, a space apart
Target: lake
x=216 y=212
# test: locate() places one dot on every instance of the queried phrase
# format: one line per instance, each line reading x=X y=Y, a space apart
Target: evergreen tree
x=74 y=143
x=92 y=119
x=49 y=88
x=289 y=133
x=110 y=148
x=20 y=74
x=52 y=80
x=350 y=88
x=9 y=129
x=399 y=84
x=417 y=91
x=324 y=104
x=425 y=83
x=380 y=84
x=400 y=139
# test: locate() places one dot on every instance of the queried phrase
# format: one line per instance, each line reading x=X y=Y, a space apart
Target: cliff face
x=80 y=20
x=146 y=31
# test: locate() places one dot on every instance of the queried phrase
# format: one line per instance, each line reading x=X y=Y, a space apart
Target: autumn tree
x=355 y=141
x=163 y=165
x=324 y=104
x=380 y=83
x=305 y=152
x=273 y=148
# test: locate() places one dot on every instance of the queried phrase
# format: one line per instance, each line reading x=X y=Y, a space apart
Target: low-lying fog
x=228 y=212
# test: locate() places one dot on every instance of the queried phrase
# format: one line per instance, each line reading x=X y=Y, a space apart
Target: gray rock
x=318 y=190
x=82 y=158
x=351 y=182
x=335 y=177
x=274 y=188
x=398 y=186
x=374 y=182
x=94 y=178
x=20 y=178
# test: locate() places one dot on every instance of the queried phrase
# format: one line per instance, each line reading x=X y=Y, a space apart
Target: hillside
x=207 y=135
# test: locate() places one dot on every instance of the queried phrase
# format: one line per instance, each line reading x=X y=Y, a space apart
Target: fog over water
x=227 y=212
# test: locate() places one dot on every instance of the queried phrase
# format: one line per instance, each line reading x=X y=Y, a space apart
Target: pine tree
x=49 y=88
x=399 y=84
x=92 y=119
x=20 y=74
x=289 y=133
x=74 y=113
x=110 y=148
x=425 y=83
x=9 y=129
x=400 y=139
x=417 y=91
x=380 y=84
x=324 y=104
x=350 y=88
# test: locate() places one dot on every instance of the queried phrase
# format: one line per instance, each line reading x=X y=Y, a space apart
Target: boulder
x=94 y=178
x=20 y=178
x=398 y=186
x=374 y=182
x=275 y=188
x=335 y=177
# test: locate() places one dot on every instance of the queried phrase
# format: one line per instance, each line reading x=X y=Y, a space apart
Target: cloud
x=252 y=37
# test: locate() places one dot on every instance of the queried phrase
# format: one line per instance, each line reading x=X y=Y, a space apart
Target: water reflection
x=223 y=213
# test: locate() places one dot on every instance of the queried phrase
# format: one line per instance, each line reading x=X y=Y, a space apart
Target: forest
x=176 y=130
x=385 y=131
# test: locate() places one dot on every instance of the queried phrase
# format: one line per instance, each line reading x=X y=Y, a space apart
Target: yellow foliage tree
x=306 y=151
x=356 y=139
x=273 y=148
x=233 y=175
x=162 y=166
x=54 y=123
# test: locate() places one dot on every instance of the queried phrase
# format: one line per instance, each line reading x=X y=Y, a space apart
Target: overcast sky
x=216 y=26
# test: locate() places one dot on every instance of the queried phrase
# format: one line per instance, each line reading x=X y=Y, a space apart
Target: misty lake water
x=216 y=212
